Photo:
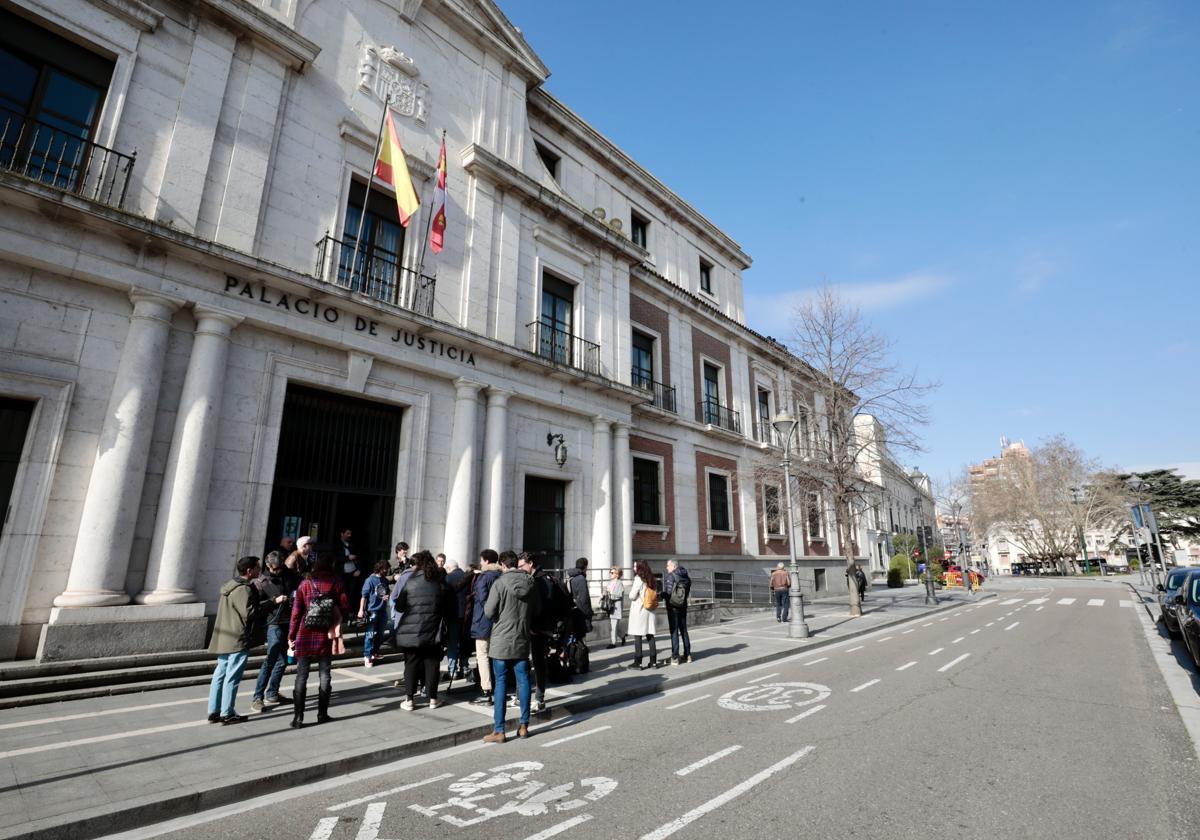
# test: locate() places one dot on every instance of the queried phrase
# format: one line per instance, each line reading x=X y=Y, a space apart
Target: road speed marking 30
x=774 y=697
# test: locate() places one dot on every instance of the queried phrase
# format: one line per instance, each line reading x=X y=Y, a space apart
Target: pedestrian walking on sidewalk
x=643 y=598
x=615 y=590
x=583 y=598
x=373 y=612
x=276 y=586
x=315 y=633
x=781 y=590
x=481 y=625
x=456 y=655
x=422 y=607
x=234 y=633
x=544 y=628
x=677 y=588
x=512 y=604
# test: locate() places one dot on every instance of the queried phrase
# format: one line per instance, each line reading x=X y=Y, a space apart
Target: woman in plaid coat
x=319 y=643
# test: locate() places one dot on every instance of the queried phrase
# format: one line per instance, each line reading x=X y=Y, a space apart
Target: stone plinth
x=93 y=632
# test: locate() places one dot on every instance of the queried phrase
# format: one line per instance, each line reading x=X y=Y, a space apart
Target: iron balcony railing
x=63 y=160
x=766 y=432
x=562 y=348
x=374 y=272
x=715 y=414
x=662 y=396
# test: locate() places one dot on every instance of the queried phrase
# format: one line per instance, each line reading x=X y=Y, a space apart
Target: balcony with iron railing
x=376 y=273
x=712 y=413
x=661 y=396
x=563 y=348
x=63 y=160
x=764 y=432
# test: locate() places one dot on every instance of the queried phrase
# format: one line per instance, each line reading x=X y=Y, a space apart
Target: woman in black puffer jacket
x=423 y=605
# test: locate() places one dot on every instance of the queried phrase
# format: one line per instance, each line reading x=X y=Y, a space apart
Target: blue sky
x=1011 y=191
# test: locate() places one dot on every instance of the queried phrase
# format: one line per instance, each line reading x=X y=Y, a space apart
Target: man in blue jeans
x=677 y=587
x=373 y=609
x=512 y=603
x=781 y=590
x=234 y=633
x=275 y=589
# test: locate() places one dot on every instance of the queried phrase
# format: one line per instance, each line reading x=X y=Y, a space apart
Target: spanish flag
x=437 y=231
x=392 y=169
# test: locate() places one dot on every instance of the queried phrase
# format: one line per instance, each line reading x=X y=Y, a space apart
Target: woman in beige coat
x=641 y=620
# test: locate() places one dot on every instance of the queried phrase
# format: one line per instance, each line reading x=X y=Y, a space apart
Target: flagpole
x=362 y=215
x=429 y=221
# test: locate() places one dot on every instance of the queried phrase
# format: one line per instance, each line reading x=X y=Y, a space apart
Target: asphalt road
x=1021 y=718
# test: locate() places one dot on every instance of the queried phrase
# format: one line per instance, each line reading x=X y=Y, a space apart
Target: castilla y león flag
x=437 y=231
x=392 y=169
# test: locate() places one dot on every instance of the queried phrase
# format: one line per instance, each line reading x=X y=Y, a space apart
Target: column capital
x=466 y=388
x=148 y=304
x=214 y=321
x=497 y=396
x=621 y=430
x=601 y=424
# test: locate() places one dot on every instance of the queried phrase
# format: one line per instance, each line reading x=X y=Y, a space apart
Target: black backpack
x=319 y=615
x=679 y=594
x=578 y=660
x=557 y=603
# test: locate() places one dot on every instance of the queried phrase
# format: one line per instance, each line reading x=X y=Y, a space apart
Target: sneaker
x=539 y=705
x=434 y=703
x=494 y=738
x=407 y=706
x=635 y=664
x=277 y=700
x=367 y=663
x=688 y=658
x=513 y=702
x=234 y=718
x=215 y=717
x=674 y=660
x=257 y=706
x=484 y=699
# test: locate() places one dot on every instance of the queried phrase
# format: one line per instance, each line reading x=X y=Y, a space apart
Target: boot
x=298 y=712
x=323 y=707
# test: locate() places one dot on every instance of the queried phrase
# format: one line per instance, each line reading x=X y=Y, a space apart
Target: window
x=638 y=230
x=706 y=276
x=814 y=515
x=764 y=416
x=550 y=160
x=554 y=323
x=802 y=433
x=647 y=495
x=718 y=502
x=51 y=92
x=378 y=268
x=773 y=512
x=643 y=360
x=712 y=393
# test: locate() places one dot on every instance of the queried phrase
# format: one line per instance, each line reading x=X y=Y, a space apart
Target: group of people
x=523 y=623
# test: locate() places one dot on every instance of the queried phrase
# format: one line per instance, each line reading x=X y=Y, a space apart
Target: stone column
x=602 y=501
x=495 y=473
x=623 y=489
x=458 y=542
x=183 y=502
x=110 y=508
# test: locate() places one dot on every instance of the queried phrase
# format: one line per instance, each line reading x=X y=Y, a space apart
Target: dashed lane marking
x=1011 y=626
x=726 y=797
x=930 y=624
x=936 y=651
x=763 y=677
x=976 y=630
x=907 y=665
x=685 y=702
x=805 y=713
x=558 y=741
x=560 y=828
x=1039 y=609
x=1095 y=602
x=959 y=639
x=342 y=805
x=884 y=639
x=815 y=661
x=989 y=624
x=867 y=684
x=953 y=662
x=707 y=760
x=906 y=632
x=1066 y=602
x=851 y=650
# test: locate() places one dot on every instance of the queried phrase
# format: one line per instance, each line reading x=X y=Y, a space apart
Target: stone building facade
x=225 y=336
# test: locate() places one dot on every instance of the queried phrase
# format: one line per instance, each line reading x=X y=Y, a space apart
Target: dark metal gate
x=336 y=469
x=545 y=520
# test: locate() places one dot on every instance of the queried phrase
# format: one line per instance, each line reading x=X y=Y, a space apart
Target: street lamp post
x=1078 y=497
x=930 y=597
x=1136 y=484
x=963 y=552
x=785 y=426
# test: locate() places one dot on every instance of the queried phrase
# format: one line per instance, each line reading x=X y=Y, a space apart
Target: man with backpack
x=554 y=612
x=583 y=598
x=677 y=587
x=236 y=631
x=481 y=624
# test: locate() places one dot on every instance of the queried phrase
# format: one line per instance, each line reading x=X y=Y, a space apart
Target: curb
x=139 y=813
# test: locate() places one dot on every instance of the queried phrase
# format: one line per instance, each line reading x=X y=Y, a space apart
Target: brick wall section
x=648 y=315
x=775 y=547
x=719 y=545
x=652 y=542
x=718 y=351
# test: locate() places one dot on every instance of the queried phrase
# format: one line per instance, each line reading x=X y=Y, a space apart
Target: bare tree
x=842 y=370
x=1030 y=497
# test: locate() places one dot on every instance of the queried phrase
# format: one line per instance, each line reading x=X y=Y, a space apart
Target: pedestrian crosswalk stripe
x=1039 y=600
x=1066 y=601
x=1095 y=602
x=1126 y=603
x=1011 y=601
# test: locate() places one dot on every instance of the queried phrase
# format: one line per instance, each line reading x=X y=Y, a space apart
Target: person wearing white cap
x=302 y=558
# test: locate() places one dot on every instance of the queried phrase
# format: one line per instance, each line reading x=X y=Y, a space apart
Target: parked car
x=1187 y=613
x=1166 y=599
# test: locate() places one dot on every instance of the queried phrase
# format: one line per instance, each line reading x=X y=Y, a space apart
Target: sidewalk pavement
x=92 y=767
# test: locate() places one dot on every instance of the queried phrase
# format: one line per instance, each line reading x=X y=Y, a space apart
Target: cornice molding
x=510 y=43
x=132 y=11
x=297 y=51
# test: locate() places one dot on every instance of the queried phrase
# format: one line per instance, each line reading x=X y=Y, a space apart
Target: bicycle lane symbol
x=774 y=697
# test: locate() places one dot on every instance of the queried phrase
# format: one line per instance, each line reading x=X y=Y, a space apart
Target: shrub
x=903 y=564
x=895 y=578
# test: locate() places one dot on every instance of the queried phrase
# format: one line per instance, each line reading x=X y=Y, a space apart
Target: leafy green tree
x=1174 y=499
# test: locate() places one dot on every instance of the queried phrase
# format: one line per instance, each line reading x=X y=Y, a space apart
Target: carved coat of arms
x=385 y=71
